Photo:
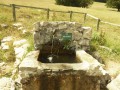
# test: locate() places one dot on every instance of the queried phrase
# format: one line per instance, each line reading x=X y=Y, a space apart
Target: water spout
x=50 y=58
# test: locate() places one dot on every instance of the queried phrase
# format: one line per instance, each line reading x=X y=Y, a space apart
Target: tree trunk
x=118 y=9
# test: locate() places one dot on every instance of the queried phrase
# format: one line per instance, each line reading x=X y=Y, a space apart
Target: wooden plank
x=31 y=7
x=5 y=5
x=78 y=12
x=60 y=11
x=111 y=23
x=92 y=16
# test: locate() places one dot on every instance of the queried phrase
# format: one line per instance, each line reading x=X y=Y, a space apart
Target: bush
x=75 y=3
x=99 y=38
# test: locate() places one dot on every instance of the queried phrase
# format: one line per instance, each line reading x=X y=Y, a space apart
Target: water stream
x=52 y=55
x=54 y=52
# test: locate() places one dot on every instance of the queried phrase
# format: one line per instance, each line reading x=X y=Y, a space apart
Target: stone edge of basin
x=30 y=65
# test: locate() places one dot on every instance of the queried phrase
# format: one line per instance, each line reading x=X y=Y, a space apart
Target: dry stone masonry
x=44 y=32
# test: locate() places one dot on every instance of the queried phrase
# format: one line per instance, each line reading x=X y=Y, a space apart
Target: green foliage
x=66 y=44
x=31 y=42
x=97 y=39
x=114 y=4
x=76 y=3
x=3 y=18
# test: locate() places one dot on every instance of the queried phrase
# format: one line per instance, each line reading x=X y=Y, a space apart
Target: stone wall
x=64 y=80
x=44 y=32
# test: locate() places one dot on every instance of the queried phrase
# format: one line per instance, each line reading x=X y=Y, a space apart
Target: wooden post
x=71 y=15
x=48 y=10
x=14 y=12
x=85 y=17
x=98 y=24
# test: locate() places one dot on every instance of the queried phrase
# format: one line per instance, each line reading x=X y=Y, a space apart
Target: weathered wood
x=98 y=24
x=78 y=12
x=92 y=16
x=5 y=5
x=98 y=20
x=59 y=11
x=48 y=13
x=111 y=23
x=14 y=12
x=85 y=17
x=71 y=13
x=31 y=7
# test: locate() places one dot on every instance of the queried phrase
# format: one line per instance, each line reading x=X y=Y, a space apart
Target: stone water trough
x=60 y=61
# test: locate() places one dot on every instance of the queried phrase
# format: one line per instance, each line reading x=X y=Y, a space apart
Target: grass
x=30 y=16
x=97 y=9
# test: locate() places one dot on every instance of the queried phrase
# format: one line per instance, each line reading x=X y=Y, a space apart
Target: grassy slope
x=97 y=9
x=112 y=34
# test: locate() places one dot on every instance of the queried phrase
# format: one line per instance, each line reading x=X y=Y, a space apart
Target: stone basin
x=70 y=69
x=87 y=75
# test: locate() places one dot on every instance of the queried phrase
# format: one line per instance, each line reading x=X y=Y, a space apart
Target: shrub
x=76 y=3
x=98 y=38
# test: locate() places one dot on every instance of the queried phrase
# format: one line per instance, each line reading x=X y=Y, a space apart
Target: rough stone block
x=5 y=83
x=62 y=26
x=4 y=26
x=30 y=63
x=19 y=43
x=83 y=56
x=44 y=24
x=37 y=26
x=87 y=32
x=5 y=46
x=84 y=42
x=17 y=24
x=114 y=84
x=7 y=39
x=36 y=39
x=76 y=35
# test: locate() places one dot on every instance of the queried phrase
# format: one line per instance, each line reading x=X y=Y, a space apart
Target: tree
x=101 y=1
x=114 y=4
x=75 y=3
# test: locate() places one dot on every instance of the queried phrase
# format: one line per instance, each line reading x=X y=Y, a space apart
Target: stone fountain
x=60 y=61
